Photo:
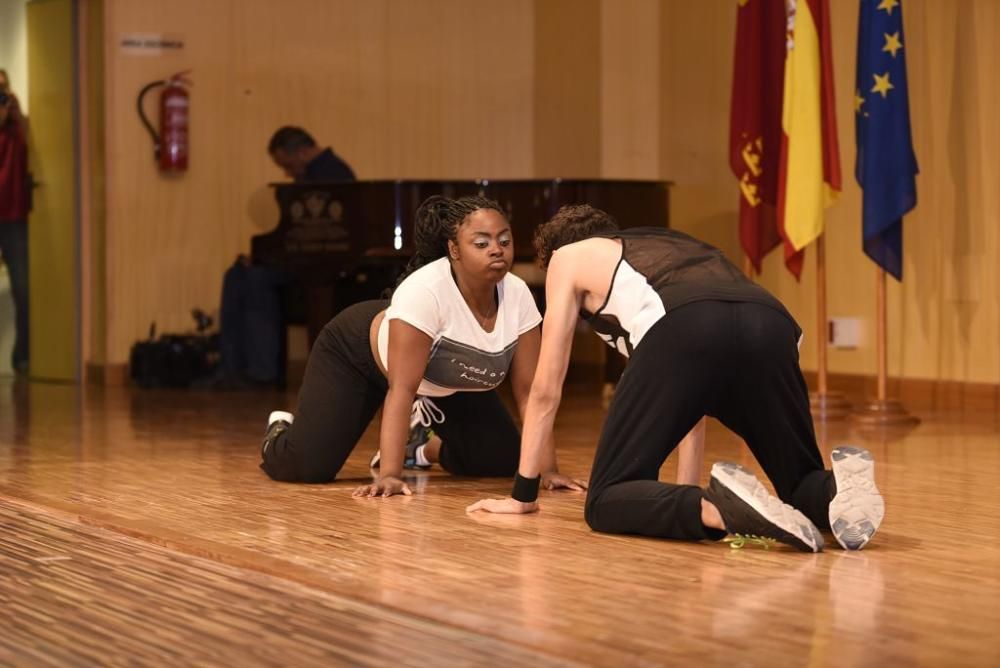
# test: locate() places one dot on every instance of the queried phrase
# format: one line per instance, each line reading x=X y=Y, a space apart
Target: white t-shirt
x=464 y=357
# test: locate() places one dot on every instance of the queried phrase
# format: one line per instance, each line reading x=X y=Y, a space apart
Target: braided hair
x=437 y=223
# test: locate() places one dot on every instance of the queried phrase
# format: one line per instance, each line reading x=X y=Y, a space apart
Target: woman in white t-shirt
x=458 y=325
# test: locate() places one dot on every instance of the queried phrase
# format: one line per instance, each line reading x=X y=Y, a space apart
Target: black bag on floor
x=175 y=360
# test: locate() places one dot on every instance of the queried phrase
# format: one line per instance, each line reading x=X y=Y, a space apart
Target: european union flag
x=886 y=164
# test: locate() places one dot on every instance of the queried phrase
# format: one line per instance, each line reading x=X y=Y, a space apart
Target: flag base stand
x=883 y=413
x=828 y=406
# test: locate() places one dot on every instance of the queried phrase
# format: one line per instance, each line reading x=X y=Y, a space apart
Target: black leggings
x=735 y=361
x=343 y=389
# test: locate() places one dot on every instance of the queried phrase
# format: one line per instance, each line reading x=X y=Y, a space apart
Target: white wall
x=14 y=47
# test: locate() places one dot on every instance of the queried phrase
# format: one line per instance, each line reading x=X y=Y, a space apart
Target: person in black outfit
x=702 y=339
x=251 y=315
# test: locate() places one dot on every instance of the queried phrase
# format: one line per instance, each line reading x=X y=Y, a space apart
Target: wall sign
x=150 y=44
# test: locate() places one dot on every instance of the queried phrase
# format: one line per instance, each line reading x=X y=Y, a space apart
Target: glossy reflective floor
x=137 y=528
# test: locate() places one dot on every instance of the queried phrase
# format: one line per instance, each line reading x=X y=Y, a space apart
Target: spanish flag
x=809 y=171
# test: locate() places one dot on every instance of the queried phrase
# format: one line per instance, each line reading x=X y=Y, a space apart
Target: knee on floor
x=591 y=511
x=291 y=470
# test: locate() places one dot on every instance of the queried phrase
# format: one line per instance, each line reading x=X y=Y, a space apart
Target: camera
x=4 y=98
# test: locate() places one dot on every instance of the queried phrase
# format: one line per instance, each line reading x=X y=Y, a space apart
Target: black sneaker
x=277 y=423
x=748 y=509
x=419 y=435
x=857 y=510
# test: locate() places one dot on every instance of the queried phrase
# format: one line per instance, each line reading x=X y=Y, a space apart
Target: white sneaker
x=857 y=510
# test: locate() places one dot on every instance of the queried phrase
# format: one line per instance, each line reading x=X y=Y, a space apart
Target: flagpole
x=823 y=404
x=883 y=366
x=882 y=411
x=882 y=124
x=821 y=325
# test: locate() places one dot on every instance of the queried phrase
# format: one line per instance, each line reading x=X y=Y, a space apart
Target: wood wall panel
x=630 y=89
x=93 y=243
x=567 y=88
x=450 y=89
x=696 y=56
x=949 y=304
x=53 y=245
x=436 y=89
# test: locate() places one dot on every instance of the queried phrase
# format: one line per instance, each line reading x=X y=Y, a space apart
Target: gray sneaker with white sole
x=858 y=508
x=749 y=510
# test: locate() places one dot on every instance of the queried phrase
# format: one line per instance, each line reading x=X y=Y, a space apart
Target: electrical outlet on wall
x=845 y=333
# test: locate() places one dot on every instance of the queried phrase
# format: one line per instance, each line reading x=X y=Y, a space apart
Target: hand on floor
x=556 y=480
x=386 y=486
x=506 y=506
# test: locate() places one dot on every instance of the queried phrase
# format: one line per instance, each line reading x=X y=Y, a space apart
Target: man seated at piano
x=457 y=326
x=251 y=314
x=296 y=152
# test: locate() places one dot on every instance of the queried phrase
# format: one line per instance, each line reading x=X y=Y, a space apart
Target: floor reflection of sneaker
x=857 y=589
x=748 y=509
x=277 y=423
x=857 y=510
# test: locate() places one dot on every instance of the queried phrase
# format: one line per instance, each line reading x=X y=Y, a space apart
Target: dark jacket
x=327 y=166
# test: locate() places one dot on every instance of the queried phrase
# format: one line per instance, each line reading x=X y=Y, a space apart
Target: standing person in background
x=16 y=104
x=15 y=189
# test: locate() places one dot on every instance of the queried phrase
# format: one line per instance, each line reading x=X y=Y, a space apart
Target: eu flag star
x=858 y=101
x=892 y=43
x=887 y=5
x=882 y=84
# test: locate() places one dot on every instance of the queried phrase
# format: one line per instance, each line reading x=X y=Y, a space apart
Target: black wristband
x=525 y=489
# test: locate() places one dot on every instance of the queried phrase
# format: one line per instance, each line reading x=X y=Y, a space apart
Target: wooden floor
x=137 y=528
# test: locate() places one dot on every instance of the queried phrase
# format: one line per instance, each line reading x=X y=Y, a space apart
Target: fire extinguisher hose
x=142 y=114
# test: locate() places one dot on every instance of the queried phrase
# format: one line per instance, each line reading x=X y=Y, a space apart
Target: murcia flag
x=755 y=121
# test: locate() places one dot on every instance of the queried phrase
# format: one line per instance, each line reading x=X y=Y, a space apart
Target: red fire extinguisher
x=171 y=142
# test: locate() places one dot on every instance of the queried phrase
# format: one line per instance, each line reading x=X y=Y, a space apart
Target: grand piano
x=330 y=231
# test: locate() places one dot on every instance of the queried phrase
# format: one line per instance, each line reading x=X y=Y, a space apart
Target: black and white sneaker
x=748 y=509
x=277 y=423
x=857 y=510
x=423 y=414
x=419 y=435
